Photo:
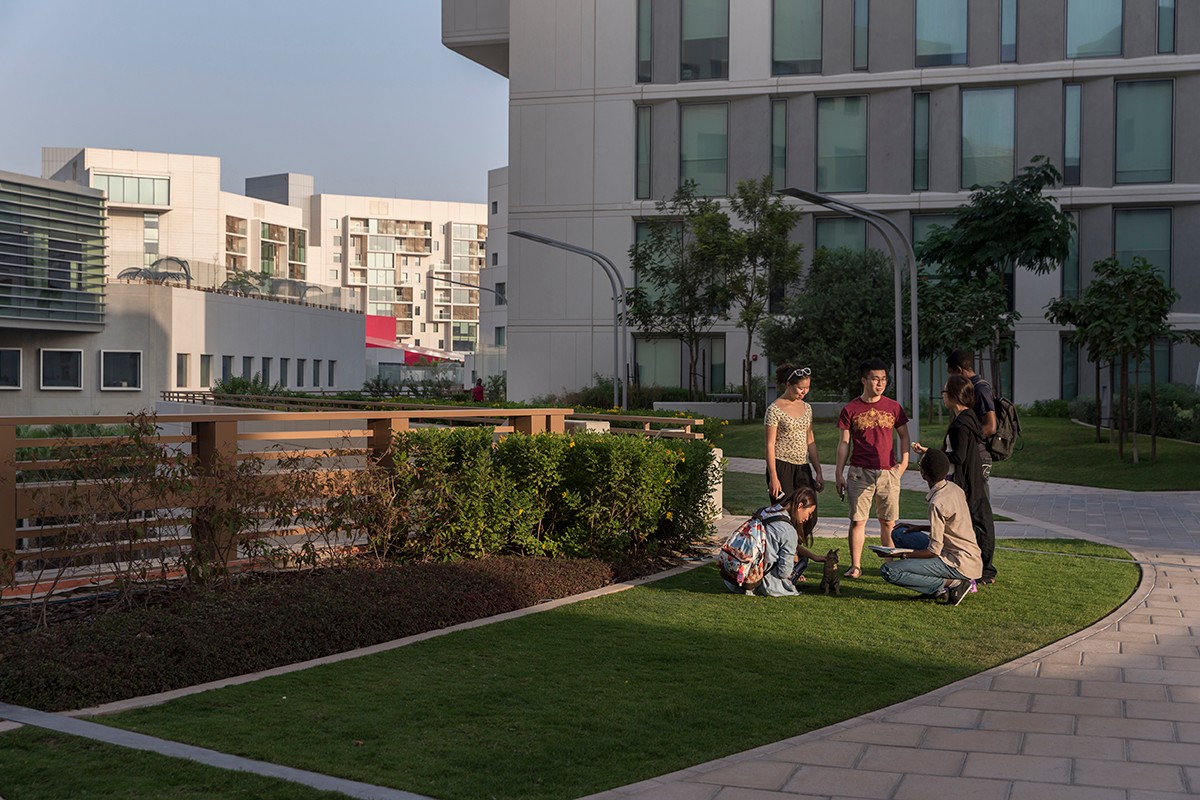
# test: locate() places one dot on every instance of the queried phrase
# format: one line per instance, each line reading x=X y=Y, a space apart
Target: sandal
x=857 y=573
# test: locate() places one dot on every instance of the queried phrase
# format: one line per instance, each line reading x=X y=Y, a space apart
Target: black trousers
x=791 y=477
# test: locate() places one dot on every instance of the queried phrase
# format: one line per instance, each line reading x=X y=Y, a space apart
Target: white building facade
x=898 y=106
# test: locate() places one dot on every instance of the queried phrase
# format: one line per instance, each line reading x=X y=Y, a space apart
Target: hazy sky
x=361 y=94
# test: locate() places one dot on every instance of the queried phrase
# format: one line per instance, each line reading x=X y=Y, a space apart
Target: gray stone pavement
x=1110 y=713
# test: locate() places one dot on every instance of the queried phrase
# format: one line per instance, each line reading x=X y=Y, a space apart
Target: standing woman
x=792 y=458
x=961 y=446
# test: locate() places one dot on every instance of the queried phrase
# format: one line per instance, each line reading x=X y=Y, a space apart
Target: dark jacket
x=962 y=448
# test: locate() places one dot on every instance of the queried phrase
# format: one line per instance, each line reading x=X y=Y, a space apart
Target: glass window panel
x=247 y=367
x=1070 y=370
x=1166 y=26
x=301 y=364
x=131 y=190
x=920 y=141
x=182 y=367
x=316 y=375
x=332 y=373
x=659 y=362
x=283 y=371
x=116 y=188
x=146 y=190
x=644 y=42
x=1072 y=133
x=266 y=369
x=120 y=370
x=100 y=182
x=835 y=232
x=205 y=371
x=10 y=369
x=162 y=191
x=704 y=147
x=796 y=37
x=705 y=51
x=861 y=41
x=1093 y=28
x=643 y=152
x=988 y=136
x=62 y=369
x=226 y=368
x=1144 y=232
x=501 y=336
x=842 y=144
x=1144 y=135
x=779 y=143
x=1070 y=267
x=941 y=32
x=1008 y=30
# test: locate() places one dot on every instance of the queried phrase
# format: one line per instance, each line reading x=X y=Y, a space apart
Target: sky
x=361 y=94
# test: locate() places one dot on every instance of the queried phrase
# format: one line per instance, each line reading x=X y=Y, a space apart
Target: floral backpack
x=741 y=558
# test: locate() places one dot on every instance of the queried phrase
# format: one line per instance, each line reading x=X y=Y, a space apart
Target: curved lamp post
x=620 y=329
x=892 y=235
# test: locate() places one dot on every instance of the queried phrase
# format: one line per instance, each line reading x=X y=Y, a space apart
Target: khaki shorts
x=879 y=485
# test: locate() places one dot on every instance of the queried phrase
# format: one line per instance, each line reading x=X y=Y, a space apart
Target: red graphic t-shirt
x=871 y=426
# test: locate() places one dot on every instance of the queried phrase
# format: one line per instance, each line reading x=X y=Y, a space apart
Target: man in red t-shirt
x=868 y=424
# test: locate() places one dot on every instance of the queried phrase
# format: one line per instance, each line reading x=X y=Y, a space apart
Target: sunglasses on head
x=799 y=372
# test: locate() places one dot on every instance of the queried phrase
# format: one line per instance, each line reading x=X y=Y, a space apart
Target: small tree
x=678 y=289
x=758 y=257
x=835 y=321
x=1005 y=226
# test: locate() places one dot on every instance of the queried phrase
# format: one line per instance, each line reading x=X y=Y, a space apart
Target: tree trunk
x=1112 y=396
x=1153 y=408
x=1099 y=406
x=1137 y=368
x=693 y=356
x=1121 y=411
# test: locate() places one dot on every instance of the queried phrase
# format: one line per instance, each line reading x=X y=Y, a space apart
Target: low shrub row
x=257 y=622
x=1178 y=411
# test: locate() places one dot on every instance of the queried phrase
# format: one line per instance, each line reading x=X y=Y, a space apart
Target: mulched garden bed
x=99 y=649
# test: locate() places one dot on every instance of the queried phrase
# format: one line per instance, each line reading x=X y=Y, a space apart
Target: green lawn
x=746 y=492
x=621 y=688
x=1054 y=450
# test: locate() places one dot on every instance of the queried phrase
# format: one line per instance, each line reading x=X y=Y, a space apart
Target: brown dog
x=831 y=581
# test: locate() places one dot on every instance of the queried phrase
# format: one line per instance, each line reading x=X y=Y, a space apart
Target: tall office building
x=897 y=105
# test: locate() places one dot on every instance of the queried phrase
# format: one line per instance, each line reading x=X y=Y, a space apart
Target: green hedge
x=1178 y=411
x=459 y=494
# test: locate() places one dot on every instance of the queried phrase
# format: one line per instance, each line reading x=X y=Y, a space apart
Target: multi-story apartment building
x=896 y=105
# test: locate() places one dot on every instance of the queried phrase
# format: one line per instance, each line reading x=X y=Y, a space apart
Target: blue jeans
x=903 y=536
x=924 y=575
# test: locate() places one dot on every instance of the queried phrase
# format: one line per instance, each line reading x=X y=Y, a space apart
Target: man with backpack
x=962 y=362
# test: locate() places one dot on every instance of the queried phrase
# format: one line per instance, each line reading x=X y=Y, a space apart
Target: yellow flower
x=571 y=444
x=564 y=495
x=668 y=480
x=670 y=516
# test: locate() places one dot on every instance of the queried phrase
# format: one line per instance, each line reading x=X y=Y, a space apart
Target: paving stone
x=1123 y=691
x=1080 y=672
x=1170 y=677
x=1054 y=791
x=822 y=752
x=1039 y=769
x=937 y=716
x=924 y=787
x=1015 y=683
x=1054 y=704
x=982 y=698
x=736 y=793
x=1027 y=722
x=1149 y=709
x=882 y=733
x=1123 y=774
x=1144 y=794
x=1123 y=660
x=667 y=791
x=1072 y=746
x=882 y=758
x=1162 y=649
x=976 y=741
x=1182 y=694
x=848 y=782
x=1181 y=753
x=1184 y=664
x=1153 y=729
x=751 y=774
x=1188 y=731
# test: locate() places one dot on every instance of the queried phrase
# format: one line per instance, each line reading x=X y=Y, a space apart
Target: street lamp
x=620 y=328
x=892 y=235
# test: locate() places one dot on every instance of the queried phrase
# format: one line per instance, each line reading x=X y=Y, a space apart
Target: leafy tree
x=757 y=256
x=1004 y=227
x=678 y=289
x=838 y=319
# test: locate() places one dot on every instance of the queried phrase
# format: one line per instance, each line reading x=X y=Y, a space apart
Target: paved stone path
x=1111 y=713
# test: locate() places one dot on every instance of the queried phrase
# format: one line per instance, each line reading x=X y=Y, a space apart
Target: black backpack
x=1002 y=443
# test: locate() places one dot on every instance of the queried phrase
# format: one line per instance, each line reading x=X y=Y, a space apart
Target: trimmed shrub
x=1048 y=408
x=1178 y=411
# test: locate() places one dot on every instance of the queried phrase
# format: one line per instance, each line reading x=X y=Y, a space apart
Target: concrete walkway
x=1111 y=713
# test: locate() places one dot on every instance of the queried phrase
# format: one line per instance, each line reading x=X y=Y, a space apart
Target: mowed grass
x=1052 y=450
x=746 y=492
x=628 y=686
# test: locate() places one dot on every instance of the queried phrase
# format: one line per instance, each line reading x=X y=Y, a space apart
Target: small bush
x=1178 y=411
x=1048 y=408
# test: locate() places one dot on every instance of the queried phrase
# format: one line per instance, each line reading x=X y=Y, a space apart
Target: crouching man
x=949 y=562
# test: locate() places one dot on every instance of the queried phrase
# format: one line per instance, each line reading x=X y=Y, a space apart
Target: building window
x=332 y=373
x=1070 y=266
x=1144 y=232
x=205 y=371
x=941 y=33
x=183 y=364
x=861 y=28
x=796 y=37
x=659 y=362
x=301 y=363
x=835 y=232
x=10 y=368
x=1144 y=131
x=62 y=369
x=920 y=176
x=643 y=152
x=1072 y=133
x=704 y=148
x=149 y=238
x=495 y=206
x=1069 y=383
x=120 y=371
x=501 y=336
x=316 y=381
x=495 y=259
x=334 y=224
x=705 y=50
x=779 y=143
x=1093 y=28
x=841 y=144
x=988 y=136
x=248 y=367
x=266 y=370
x=1008 y=31
x=284 y=363
x=645 y=40
x=226 y=368
x=134 y=189
x=1166 y=26
x=501 y=293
